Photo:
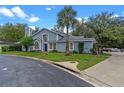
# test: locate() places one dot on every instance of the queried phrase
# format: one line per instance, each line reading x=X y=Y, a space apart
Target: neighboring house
x=48 y=40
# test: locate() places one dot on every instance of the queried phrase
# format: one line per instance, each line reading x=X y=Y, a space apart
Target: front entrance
x=45 y=47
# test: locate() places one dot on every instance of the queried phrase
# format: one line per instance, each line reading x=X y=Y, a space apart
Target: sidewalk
x=107 y=73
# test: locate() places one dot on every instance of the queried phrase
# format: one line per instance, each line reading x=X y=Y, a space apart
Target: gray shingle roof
x=61 y=33
x=72 y=38
x=77 y=39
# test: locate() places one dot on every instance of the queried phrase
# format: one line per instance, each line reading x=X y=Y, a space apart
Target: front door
x=45 y=47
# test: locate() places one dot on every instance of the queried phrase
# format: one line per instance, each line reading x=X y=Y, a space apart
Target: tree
x=12 y=33
x=100 y=25
x=57 y=28
x=26 y=42
x=108 y=30
x=80 y=47
x=65 y=19
x=80 y=28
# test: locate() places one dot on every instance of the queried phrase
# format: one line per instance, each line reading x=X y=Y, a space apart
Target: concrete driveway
x=109 y=72
x=23 y=72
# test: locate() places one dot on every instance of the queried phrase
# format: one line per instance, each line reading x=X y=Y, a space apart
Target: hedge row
x=11 y=48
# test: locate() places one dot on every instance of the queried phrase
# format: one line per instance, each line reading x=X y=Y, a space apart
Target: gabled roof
x=72 y=38
x=56 y=32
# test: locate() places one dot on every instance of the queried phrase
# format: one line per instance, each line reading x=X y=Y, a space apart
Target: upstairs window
x=45 y=38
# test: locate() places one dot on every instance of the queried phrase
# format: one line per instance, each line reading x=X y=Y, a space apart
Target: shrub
x=11 y=48
x=5 y=48
x=26 y=42
x=81 y=47
x=74 y=52
x=54 y=51
x=93 y=50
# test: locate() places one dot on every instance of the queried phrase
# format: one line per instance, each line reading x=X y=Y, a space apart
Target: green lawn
x=85 y=60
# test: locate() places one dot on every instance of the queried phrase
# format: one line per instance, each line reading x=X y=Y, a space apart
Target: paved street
x=109 y=72
x=23 y=72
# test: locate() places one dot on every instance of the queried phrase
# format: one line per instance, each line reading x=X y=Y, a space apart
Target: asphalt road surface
x=24 y=72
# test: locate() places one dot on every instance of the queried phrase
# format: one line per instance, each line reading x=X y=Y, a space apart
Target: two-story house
x=48 y=40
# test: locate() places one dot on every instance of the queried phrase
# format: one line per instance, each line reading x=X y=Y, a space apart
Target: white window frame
x=52 y=46
x=72 y=46
x=39 y=41
x=45 y=42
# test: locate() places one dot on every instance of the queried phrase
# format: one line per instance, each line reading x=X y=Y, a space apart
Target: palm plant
x=80 y=28
x=65 y=20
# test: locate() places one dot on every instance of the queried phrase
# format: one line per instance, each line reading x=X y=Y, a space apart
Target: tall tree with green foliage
x=12 y=33
x=65 y=19
x=100 y=24
x=26 y=42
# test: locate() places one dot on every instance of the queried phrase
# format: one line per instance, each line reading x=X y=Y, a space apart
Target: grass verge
x=85 y=60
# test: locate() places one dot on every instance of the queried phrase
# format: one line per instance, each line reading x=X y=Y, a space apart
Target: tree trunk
x=67 y=42
x=26 y=48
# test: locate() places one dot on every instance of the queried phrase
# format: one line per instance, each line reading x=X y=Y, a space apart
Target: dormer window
x=45 y=38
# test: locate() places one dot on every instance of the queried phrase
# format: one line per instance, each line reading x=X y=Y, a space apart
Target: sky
x=45 y=16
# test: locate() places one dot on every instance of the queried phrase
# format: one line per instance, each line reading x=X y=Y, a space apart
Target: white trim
x=52 y=46
x=39 y=41
x=45 y=42
x=57 y=37
x=72 y=46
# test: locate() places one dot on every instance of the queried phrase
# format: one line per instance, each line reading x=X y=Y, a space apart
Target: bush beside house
x=11 y=48
x=26 y=42
x=81 y=47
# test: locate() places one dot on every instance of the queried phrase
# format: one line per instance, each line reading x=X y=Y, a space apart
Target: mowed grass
x=85 y=60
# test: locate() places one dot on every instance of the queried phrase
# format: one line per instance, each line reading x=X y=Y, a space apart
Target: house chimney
x=28 y=31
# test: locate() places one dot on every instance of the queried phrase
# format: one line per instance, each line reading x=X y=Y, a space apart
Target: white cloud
x=79 y=19
x=115 y=16
x=86 y=19
x=32 y=27
x=19 y=12
x=1 y=24
x=48 y=8
x=33 y=19
x=6 y=12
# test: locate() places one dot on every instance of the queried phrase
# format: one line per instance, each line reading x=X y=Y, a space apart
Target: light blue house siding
x=61 y=47
x=52 y=37
x=58 y=40
x=88 y=45
x=76 y=46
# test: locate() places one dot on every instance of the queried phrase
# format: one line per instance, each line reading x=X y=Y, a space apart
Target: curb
x=96 y=82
